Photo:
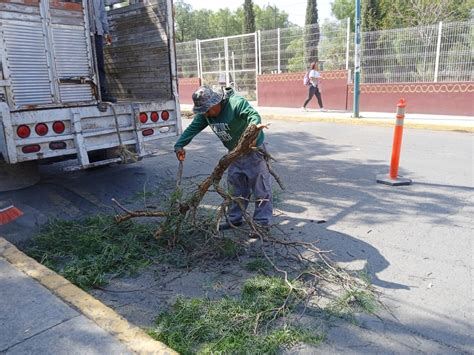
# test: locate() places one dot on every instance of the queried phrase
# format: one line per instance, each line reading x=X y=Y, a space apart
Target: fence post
x=197 y=57
x=438 y=49
x=278 y=50
x=200 y=61
x=233 y=70
x=393 y=179
x=258 y=38
x=356 y=61
x=226 y=60
x=348 y=31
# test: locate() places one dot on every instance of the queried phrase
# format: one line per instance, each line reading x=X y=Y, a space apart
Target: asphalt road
x=416 y=241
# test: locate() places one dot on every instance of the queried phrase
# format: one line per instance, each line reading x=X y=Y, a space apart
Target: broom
x=8 y=213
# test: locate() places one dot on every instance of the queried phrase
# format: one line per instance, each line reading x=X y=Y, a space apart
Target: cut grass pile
x=352 y=302
x=250 y=325
x=91 y=251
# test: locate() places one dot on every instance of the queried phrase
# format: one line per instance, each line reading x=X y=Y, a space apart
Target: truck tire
x=18 y=176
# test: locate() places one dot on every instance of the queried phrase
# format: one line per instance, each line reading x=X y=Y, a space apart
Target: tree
x=225 y=23
x=332 y=46
x=342 y=9
x=389 y=14
x=410 y=13
x=193 y=24
x=270 y=17
x=373 y=17
x=248 y=27
x=183 y=21
x=249 y=17
x=311 y=33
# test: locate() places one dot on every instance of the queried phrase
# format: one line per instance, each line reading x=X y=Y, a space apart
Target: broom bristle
x=9 y=214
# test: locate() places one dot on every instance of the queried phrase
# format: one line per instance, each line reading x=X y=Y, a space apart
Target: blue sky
x=294 y=8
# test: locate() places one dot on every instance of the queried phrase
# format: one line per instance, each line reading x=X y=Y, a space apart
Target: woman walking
x=313 y=86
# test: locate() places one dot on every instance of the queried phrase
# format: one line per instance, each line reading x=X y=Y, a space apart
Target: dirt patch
x=141 y=298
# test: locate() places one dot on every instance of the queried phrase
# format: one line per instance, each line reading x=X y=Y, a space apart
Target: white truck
x=50 y=107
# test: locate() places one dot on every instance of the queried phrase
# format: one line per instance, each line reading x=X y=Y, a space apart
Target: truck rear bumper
x=85 y=129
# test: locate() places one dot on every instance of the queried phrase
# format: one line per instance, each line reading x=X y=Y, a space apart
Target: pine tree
x=311 y=32
x=249 y=17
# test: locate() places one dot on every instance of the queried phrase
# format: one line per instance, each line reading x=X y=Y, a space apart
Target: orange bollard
x=393 y=178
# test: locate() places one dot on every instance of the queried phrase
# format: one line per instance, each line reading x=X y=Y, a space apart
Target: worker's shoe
x=226 y=225
x=260 y=232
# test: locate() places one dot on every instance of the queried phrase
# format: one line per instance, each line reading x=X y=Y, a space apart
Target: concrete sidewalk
x=43 y=313
x=412 y=120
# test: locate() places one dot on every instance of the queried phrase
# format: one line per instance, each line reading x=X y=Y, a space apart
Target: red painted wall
x=186 y=87
x=287 y=90
x=454 y=98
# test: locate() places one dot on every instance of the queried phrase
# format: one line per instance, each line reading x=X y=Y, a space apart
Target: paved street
x=416 y=241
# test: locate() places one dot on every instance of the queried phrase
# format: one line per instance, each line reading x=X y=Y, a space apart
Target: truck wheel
x=18 y=176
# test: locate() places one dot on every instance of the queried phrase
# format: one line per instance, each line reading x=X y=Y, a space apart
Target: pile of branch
x=245 y=145
x=303 y=261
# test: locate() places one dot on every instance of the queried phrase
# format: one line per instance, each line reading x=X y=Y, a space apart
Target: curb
x=378 y=122
x=368 y=122
x=134 y=338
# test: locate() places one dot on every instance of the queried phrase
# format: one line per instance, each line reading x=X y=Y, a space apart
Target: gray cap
x=204 y=98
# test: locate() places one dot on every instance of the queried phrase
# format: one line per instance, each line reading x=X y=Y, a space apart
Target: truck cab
x=50 y=105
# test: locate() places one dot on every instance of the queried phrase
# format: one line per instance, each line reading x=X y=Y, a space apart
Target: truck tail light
x=57 y=145
x=23 y=131
x=58 y=127
x=165 y=115
x=41 y=129
x=32 y=148
x=154 y=116
x=143 y=117
x=148 y=132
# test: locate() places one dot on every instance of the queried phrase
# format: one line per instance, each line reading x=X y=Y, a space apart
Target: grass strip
x=249 y=325
x=90 y=251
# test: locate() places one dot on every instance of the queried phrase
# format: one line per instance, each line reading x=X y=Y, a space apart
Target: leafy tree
x=342 y=9
x=296 y=62
x=183 y=21
x=373 y=17
x=410 y=13
x=225 y=23
x=270 y=17
x=388 y=14
x=311 y=35
x=201 y=25
x=193 y=24
x=332 y=46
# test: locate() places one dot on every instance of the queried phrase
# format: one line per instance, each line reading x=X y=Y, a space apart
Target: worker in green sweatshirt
x=228 y=115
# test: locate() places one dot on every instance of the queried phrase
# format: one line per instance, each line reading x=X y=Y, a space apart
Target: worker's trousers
x=249 y=180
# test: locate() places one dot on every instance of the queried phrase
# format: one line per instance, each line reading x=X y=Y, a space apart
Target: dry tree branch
x=268 y=157
x=133 y=214
x=244 y=146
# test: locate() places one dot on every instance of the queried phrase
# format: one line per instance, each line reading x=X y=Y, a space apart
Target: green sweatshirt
x=236 y=114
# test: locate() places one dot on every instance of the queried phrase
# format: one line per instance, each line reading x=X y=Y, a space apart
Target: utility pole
x=357 y=61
